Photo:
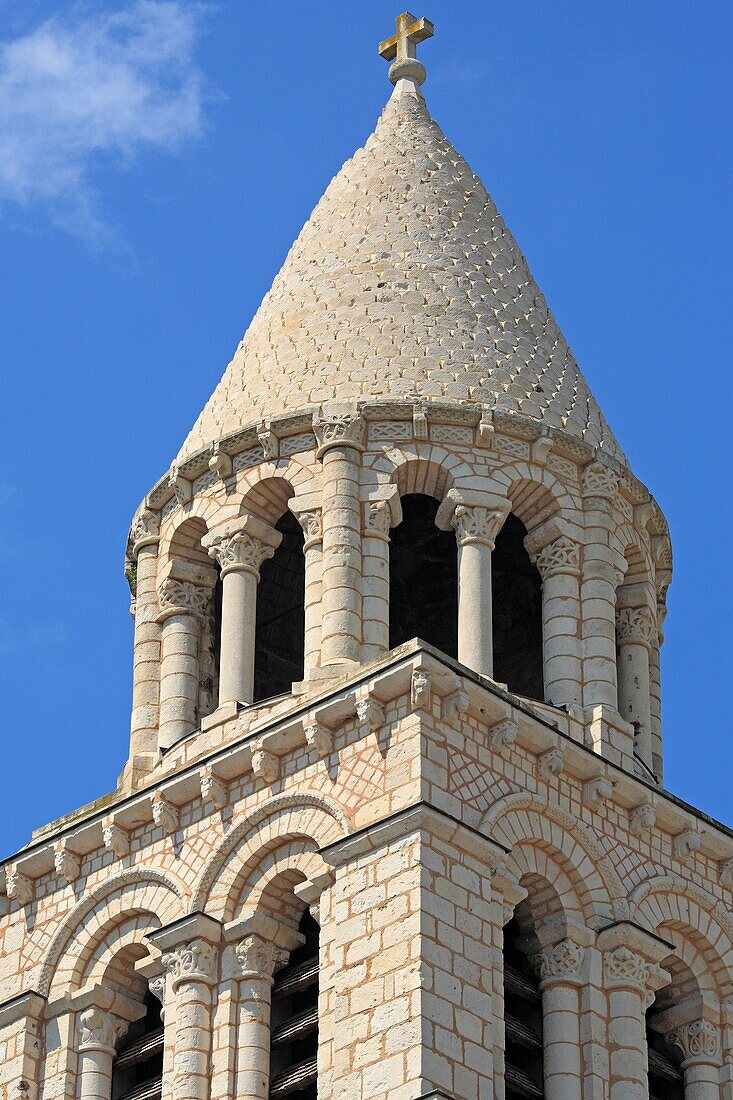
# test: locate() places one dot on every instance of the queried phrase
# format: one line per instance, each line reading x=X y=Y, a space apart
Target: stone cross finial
x=400 y=48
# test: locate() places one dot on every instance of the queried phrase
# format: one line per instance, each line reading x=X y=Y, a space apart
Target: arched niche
x=517 y=621
x=280 y=631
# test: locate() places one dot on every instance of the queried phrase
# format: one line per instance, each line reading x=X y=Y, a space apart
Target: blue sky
x=157 y=160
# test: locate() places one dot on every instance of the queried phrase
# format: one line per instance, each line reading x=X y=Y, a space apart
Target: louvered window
x=522 y=1023
x=137 y=1071
x=666 y=1081
x=294 y=1021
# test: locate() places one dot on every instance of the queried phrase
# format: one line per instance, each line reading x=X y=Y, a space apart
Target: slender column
x=630 y=981
x=257 y=961
x=191 y=964
x=559 y=565
x=340 y=443
x=377 y=522
x=598 y=588
x=240 y=550
x=476 y=528
x=655 y=691
x=146 y=658
x=635 y=629
x=559 y=970
x=311 y=522
x=699 y=1045
x=182 y=605
x=99 y=1033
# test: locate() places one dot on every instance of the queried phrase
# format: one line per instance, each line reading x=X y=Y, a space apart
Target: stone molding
x=636 y=626
x=474 y=523
x=561 y=962
x=698 y=1043
x=191 y=963
x=259 y=959
x=100 y=1030
x=339 y=430
x=181 y=598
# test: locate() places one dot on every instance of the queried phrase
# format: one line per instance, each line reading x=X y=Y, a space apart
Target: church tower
x=392 y=825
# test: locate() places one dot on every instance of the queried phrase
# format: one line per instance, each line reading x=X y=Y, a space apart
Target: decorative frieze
x=181 y=598
x=475 y=523
x=697 y=1043
x=636 y=625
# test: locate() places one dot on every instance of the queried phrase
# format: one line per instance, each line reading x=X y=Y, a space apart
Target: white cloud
x=78 y=93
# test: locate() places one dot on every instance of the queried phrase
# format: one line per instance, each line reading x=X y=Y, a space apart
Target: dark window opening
x=516 y=588
x=423 y=578
x=137 y=1071
x=294 y=1020
x=210 y=653
x=666 y=1080
x=280 y=638
x=523 y=1062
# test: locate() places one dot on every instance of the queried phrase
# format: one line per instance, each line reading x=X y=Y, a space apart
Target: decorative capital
x=623 y=967
x=312 y=524
x=600 y=481
x=339 y=430
x=181 y=598
x=474 y=523
x=241 y=552
x=145 y=530
x=377 y=518
x=259 y=959
x=560 y=556
x=636 y=625
x=192 y=962
x=99 y=1030
x=561 y=962
x=698 y=1043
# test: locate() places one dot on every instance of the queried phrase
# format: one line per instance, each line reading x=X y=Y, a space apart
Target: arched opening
x=523 y=1059
x=294 y=1020
x=280 y=630
x=666 y=1078
x=423 y=578
x=517 y=628
x=137 y=1070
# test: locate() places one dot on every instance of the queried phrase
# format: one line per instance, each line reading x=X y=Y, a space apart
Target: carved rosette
x=258 y=959
x=474 y=523
x=191 y=963
x=312 y=524
x=560 y=556
x=625 y=968
x=560 y=963
x=241 y=552
x=377 y=519
x=100 y=1030
x=145 y=530
x=600 y=481
x=635 y=625
x=344 y=430
x=697 y=1043
x=181 y=598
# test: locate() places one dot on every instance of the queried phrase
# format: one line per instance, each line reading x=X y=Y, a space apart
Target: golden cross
x=410 y=31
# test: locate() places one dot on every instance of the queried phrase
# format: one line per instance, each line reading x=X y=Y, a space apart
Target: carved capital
x=99 y=1030
x=242 y=552
x=312 y=524
x=697 y=1043
x=377 y=519
x=259 y=959
x=145 y=530
x=191 y=963
x=560 y=963
x=624 y=967
x=339 y=430
x=635 y=625
x=600 y=481
x=560 y=556
x=474 y=523
x=181 y=598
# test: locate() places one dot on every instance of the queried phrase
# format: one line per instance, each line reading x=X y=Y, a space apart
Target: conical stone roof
x=404 y=283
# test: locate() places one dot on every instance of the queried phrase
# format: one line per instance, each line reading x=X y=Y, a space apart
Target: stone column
x=559 y=970
x=655 y=691
x=310 y=521
x=182 y=605
x=340 y=439
x=377 y=522
x=630 y=979
x=476 y=528
x=558 y=562
x=146 y=651
x=240 y=549
x=598 y=587
x=635 y=628
x=99 y=1033
x=698 y=1043
x=258 y=961
x=190 y=960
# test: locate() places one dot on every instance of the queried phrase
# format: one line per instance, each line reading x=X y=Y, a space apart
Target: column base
x=610 y=735
x=223 y=713
x=321 y=677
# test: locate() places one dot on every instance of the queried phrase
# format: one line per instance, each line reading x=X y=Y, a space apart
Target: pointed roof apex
x=400 y=49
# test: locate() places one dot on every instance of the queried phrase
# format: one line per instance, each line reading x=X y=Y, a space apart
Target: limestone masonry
x=392 y=825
